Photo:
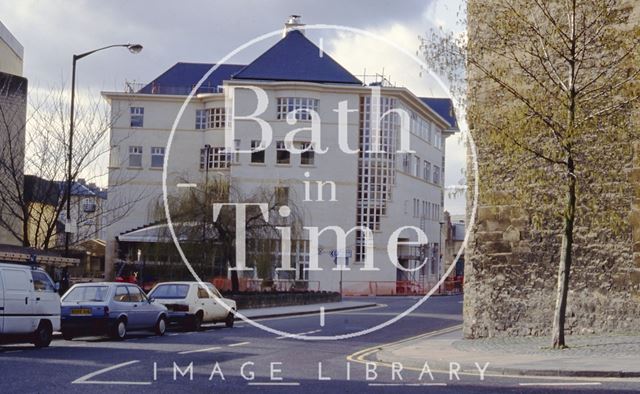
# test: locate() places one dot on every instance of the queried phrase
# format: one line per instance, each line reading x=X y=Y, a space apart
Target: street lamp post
x=133 y=48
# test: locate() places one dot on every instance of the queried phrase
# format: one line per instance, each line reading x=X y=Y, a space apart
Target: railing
x=402 y=287
x=283 y=285
x=183 y=90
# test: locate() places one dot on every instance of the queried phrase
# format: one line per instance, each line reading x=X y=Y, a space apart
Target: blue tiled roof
x=295 y=58
x=182 y=77
x=444 y=108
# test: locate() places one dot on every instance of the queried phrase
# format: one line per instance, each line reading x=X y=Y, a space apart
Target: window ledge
x=258 y=164
x=134 y=168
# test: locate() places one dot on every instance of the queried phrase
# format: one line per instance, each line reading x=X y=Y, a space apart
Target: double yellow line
x=361 y=355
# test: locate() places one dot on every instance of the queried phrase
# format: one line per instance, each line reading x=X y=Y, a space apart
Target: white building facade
x=379 y=192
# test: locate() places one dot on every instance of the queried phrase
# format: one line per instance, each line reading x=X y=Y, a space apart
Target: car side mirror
x=152 y=300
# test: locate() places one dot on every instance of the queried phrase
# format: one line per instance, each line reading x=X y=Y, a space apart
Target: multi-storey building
x=378 y=191
x=13 y=110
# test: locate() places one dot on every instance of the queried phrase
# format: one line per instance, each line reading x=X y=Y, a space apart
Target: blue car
x=111 y=309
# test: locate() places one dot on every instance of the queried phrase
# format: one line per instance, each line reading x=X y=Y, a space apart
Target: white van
x=29 y=305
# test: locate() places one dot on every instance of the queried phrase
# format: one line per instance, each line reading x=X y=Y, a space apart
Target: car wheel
x=229 y=320
x=43 y=335
x=196 y=324
x=67 y=335
x=119 y=330
x=161 y=326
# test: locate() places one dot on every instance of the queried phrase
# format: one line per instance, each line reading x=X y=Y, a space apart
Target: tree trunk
x=564 y=268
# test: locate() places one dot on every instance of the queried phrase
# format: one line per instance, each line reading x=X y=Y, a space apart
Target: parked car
x=29 y=305
x=190 y=304
x=110 y=309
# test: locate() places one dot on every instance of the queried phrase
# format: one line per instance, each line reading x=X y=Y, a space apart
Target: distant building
x=379 y=192
x=454 y=233
x=13 y=109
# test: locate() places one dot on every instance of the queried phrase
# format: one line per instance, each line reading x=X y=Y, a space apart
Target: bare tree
x=192 y=218
x=551 y=87
x=37 y=144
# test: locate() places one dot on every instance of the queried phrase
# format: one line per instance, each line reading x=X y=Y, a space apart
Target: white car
x=29 y=305
x=190 y=304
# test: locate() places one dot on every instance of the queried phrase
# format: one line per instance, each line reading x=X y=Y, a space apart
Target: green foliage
x=543 y=82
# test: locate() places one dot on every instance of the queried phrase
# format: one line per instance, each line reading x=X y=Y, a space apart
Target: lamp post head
x=134 y=48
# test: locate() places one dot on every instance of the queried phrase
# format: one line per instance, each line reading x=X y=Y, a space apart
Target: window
x=88 y=205
x=416 y=166
x=157 y=157
x=170 y=291
x=213 y=290
x=406 y=162
x=436 y=175
x=216 y=118
x=41 y=282
x=89 y=293
x=122 y=295
x=283 y=156
x=135 y=295
x=307 y=158
x=137 y=116
x=257 y=156
x=426 y=170
x=202 y=293
x=301 y=106
x=135 y=156
x=217 y=158
x=282 y=195
x=211 y=118
x=201 y=119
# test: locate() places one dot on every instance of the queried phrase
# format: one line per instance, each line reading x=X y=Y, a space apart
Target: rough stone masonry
x=511 y=264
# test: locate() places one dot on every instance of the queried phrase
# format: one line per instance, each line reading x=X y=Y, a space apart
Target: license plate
x=80 y=312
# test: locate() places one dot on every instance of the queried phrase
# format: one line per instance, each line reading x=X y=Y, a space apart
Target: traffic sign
x=340 y=253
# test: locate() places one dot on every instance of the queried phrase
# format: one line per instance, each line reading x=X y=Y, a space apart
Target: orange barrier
x=283 y=285
x=406 y=287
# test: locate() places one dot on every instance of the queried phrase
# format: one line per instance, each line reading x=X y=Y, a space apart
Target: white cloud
x=362 y=54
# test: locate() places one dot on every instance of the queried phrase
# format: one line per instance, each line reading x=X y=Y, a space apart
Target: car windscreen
x=87 y=294
x=170 y=291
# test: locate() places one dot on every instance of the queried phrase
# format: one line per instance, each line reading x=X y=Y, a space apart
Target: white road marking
x=407 y=384
x=561 y=384
x=274 y=383
x=322 y=316
x=85 y=378
x=187 y=185
x=239 y=344
x=300 y=333
x=200 y=350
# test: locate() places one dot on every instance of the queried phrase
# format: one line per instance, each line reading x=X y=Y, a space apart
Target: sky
x=51 y=31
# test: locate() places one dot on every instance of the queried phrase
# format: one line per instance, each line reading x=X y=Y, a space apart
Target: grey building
x=13 y=104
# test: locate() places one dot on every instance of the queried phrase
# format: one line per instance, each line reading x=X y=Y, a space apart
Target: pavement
x=298 y=310
x=248 y=359
x=586 y=356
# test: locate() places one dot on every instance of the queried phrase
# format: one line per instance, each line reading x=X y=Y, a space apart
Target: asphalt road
x=247 y=359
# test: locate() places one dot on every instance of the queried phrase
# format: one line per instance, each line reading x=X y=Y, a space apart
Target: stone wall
x=512 y=258
x=511 y=271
